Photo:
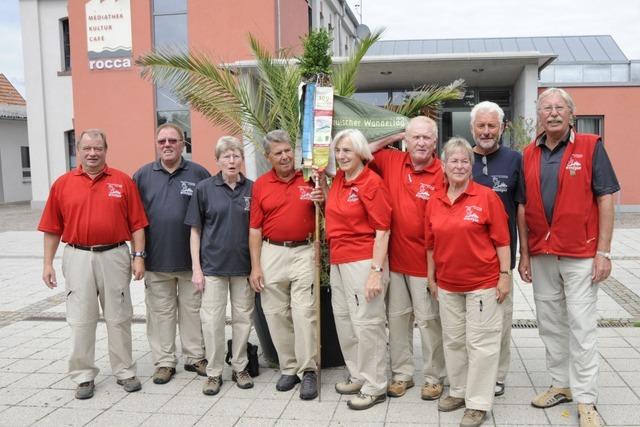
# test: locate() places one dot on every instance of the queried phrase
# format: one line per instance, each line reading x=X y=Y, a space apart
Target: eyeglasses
x=171 y=141
x=549 y=108
x=485 y=170
x=231 y=157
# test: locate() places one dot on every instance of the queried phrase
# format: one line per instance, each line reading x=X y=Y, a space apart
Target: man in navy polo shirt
x=166 y=187
x=500 y=169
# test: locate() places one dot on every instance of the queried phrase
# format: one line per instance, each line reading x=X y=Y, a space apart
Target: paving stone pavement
x=34 y=346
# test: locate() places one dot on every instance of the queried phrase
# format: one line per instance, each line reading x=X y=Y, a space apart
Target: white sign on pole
x=109 y=34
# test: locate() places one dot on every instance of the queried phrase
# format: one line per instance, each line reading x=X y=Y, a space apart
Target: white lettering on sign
x=109 y=64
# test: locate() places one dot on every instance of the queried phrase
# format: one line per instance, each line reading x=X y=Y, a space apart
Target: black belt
x=288 y=243
x=97 y=248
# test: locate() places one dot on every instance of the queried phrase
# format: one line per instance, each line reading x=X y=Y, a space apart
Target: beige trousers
x=93 y=280
x=171 y=299
x=409 y=299
x=212 y=314
x=505 y=339
x=566 y=308
x=471 y=330
x=288 y=304
x=360 y=325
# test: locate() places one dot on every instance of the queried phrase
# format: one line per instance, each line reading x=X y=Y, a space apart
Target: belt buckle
x=288 y=244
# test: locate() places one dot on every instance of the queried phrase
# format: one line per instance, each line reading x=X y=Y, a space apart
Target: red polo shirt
x=355 y=210
x=283 y=210
x=88 y=212
x=409 y=190
x=464 y=236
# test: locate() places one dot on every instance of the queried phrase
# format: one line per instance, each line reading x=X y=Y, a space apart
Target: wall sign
x=109 y=34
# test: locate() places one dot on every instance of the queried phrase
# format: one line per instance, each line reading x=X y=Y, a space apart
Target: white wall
x=525 y=93
x=334 y=12
x=13 y=136
x=49 y=96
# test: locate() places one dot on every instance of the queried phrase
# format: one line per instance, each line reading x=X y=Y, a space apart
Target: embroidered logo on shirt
x=305 y=192
x=424 y=191
x=471 y=215
x=499 y=186
x=573 y=165
x=353 y=195
x=115 y=190
x=247 y=203
x=186 y=188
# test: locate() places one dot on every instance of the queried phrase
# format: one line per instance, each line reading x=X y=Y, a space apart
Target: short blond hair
x=359 y=142
x=454 y=144
x=227 y=143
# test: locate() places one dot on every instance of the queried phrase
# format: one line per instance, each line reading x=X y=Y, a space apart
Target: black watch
x=141 y=254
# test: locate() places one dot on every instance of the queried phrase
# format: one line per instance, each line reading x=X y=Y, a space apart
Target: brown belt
x=288 y=243
x=97 y=248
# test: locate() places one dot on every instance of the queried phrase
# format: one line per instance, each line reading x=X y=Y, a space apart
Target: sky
x=424 y=19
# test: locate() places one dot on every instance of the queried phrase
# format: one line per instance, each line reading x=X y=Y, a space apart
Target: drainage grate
x=602 y=323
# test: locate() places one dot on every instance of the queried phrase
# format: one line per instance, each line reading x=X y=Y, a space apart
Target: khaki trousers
x=171 y=299
x=409 y=299
x=360 y=325
x=103 y=278
x=288 y=305
x=471 y=330
x=566 y=309
x=505 y=340
x=212 y=314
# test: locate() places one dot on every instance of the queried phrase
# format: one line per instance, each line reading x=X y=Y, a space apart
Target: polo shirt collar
x=184 y=164
x=570 y=138
x=80 y=171
x=432 y=168
x=273 y=177
x=219 y=181
x=471 y=190
x=359 y=179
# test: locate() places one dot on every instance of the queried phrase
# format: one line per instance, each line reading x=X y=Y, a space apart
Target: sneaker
x=309 y=386
x=163 y=375
x=348 y=387
x=85 y=390
x=498 y=390
x=588 y=416
x=287 y=382
x=431 y=391
x=130 y=384
x=243 y=379
x=398 y=388
x=365 y=401
x=472 y=418
x=200 y=367
x=450 y=403
x=552 y=397
x=212 y=385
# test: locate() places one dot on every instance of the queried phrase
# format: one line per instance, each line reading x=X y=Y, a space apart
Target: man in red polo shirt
x=281 y=225
x=412 y=178
x=95 y=209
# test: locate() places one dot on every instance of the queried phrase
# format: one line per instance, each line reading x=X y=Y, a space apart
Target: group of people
x=412 y=238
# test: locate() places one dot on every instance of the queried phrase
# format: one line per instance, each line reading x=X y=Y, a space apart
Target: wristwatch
x=606 y=255
x=141 y=254
x=376 y=268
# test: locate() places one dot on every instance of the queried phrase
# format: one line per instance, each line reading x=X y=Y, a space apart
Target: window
x=70 y=141
x=26 y=164
x=65 y=44
x=590 y=124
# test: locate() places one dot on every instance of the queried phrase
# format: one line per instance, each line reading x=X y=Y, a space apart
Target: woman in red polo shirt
x=358 y=213
x=467 y=238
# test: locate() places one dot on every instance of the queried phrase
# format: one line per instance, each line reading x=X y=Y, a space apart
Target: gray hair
x=454 y=144
x=557 y=91
x=275 y=136
x=227 y=143
x=359 y=142
x=426 y=120
x=488 y=106
x=93 y=134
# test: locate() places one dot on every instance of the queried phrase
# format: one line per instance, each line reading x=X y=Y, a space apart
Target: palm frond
x=428 y=98
x=344 y=77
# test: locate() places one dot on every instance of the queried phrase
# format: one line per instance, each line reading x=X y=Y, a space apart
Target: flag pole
x=316 y=284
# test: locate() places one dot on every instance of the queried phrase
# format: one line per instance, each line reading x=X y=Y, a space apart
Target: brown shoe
x=552 y=397
x=212 y=385
x=431 y=391
x=472 y=418
x=398 y=388
x=200 y=367
x=243 y=379
x=588 y=416
x=163 y=375
x=450 y=403
x=348 y=387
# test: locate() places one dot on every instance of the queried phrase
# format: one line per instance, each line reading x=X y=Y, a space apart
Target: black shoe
x=309 y=387
x=287 y=382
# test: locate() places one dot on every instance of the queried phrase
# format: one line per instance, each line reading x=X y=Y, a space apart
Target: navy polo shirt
x=166 y=198
x=504 y=176
x=222 y=215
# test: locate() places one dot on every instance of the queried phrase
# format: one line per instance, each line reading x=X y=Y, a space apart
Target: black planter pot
x=330 y=353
